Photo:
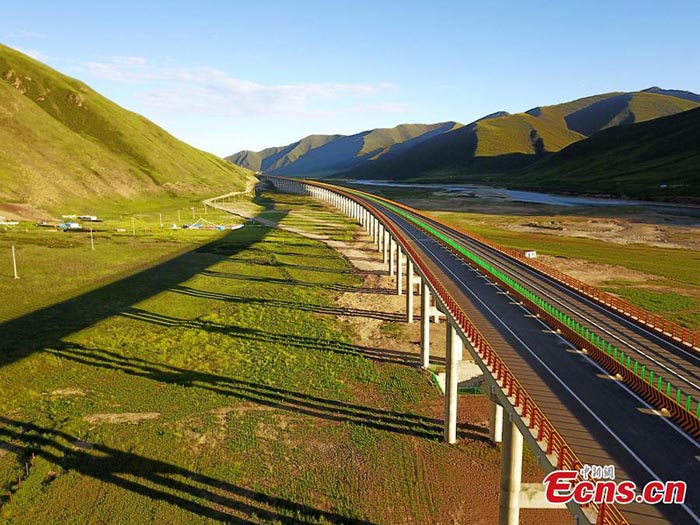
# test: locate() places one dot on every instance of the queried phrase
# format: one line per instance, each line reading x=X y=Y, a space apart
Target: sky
x=231 y=75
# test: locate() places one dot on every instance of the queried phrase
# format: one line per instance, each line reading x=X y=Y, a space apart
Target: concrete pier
x=385 y=250
x=425 y=326
x=496 y=423
x=392 y=258
x=453 y=355
x=409 y=290
x=399 y=271
x=511 y=471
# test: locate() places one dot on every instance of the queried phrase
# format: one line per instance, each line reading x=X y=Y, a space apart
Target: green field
x=205 y=379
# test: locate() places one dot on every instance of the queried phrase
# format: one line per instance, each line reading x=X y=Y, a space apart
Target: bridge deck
x=599 y=417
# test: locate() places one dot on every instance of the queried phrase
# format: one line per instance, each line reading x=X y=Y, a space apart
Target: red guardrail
x=550 y=440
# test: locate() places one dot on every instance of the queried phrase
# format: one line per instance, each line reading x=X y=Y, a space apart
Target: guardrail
x=688 y=339
x=644 y=381
x=550 y=441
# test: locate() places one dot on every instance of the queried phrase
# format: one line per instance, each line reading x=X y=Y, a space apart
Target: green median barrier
x=598 y=341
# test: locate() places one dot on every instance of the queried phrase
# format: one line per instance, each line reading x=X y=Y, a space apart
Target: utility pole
x=160 y=215
x=92 y=240
x=14 y=263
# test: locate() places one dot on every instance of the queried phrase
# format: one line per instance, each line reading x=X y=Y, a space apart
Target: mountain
x=270 y=159
x=505 y=142
x=323 y=154
x=62 y=144
x=656 y=159
x=687 y=95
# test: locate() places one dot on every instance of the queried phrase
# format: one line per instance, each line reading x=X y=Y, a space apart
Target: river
x=477 y=190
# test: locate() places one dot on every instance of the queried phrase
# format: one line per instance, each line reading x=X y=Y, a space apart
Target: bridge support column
x=380 y=238
x=409 y=290
x=453 y=355
x=399 y=271
x=392 y=258
x=511 y=471
x=425 y=326
x=385 y=248
x=496 y=423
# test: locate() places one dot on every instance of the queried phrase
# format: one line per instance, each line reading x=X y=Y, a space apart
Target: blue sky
x=232 y=75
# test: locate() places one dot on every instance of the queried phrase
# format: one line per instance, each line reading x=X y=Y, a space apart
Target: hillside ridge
x=64 y=143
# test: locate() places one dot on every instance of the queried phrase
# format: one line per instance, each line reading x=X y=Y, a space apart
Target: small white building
x=530 y=254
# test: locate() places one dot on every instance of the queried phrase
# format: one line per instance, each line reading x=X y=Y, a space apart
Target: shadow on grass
x=276 y=303
x=286 y=266
x=266 y=395
x=295 y=282
x=289 y=340
x=47 y=326
x=197 y=493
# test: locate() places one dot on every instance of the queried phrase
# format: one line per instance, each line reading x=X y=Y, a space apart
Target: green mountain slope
x=61 y=144
x=656 y=159
x=506 y=142
x=322 y=154
x=270 y=159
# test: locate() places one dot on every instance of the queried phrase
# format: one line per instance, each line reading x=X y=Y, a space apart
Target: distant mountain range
x=63 y=144
x=497 y=144
x=658 y=159
x=318 y=155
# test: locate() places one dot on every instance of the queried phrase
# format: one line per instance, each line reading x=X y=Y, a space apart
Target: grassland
x=217 y=385
x=56 y=266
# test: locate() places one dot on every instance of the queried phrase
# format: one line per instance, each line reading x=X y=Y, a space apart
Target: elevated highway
x=575 y=379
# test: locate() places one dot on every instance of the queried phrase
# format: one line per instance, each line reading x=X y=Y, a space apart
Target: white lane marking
x=611 y=334
x=561 y=382
x=621 y=384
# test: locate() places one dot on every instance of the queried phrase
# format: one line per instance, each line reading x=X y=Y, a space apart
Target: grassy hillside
x=655 y=159
x=505 y=142
x=277 y=157
x=63 y=143
x=321 y=154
